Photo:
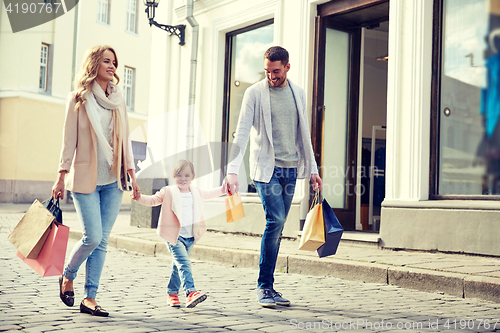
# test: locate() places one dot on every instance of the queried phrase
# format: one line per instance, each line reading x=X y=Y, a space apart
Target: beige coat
x=169 y=198
x=79 y=149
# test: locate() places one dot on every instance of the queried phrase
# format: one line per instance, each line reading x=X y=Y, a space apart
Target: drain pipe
x=192 y=78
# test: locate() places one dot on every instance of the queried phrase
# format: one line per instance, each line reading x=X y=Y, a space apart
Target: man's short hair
x=277 y=53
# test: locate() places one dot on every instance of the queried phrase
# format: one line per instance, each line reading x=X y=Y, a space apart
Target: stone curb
x=456 y=284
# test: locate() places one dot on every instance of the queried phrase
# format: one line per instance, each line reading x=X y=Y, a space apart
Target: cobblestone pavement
x=133 y=291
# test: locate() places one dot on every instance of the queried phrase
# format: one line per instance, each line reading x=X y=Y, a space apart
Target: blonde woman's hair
x=88 y=72
x=181 y=164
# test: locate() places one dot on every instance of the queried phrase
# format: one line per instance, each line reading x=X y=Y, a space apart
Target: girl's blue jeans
x=276 y=199
x=97 y=212
x=181 y=266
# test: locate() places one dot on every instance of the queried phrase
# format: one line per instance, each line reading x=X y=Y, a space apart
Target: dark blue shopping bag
x=333 y=232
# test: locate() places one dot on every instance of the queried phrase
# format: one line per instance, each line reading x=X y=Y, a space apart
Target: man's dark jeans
x=276 y=199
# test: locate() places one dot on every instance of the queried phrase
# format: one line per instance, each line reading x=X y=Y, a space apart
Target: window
x=44 y=66
x=128 y=85
x=132 y=16
x=466 y=101
x=244 y=66
x=103 y=11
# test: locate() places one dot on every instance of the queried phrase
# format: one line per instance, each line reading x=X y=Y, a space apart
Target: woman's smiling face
x=107 y=67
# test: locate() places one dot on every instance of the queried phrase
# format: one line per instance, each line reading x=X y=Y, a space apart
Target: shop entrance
x=350 y=107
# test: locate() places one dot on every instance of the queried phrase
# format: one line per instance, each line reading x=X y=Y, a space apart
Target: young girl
x=181 y=224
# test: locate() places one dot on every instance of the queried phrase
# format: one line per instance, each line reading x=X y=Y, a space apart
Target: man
x=273 y=115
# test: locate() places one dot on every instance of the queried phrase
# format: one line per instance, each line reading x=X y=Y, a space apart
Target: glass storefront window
x=469 y=130
x=245 y=66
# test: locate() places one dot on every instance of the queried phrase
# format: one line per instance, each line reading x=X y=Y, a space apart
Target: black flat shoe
x=98 y=311
x=68 y=297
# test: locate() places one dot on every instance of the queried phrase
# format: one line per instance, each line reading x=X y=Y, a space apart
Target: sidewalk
x=358 y=258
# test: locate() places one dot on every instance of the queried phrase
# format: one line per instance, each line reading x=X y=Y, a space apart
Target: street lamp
x=177 y=30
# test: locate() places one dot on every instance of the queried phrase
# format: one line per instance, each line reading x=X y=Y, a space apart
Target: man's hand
x=231 y=183
x=317 y=182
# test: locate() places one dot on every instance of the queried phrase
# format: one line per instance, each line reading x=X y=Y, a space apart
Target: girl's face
x=107 y=67
x=184 y=178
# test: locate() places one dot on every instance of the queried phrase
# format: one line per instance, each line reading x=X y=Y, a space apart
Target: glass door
x=335 y=120
x=244 y=66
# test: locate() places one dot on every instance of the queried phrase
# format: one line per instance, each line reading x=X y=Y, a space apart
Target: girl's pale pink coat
x=169 y=198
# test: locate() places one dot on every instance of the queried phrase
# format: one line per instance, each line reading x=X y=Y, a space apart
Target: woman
x=96 y=155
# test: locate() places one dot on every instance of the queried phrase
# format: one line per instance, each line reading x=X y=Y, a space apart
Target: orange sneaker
x=173 y=300
x=194 y=298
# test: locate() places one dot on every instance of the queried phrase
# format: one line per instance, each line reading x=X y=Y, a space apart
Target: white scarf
x=95 y=99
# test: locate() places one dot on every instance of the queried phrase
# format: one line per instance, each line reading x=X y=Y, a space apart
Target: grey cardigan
x=255 y=122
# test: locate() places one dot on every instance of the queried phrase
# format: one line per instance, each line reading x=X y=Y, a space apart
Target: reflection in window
x=245 y=66
x=469 y=132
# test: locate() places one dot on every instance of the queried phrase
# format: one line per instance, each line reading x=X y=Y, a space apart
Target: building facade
x=401 y=99
x=36 y=74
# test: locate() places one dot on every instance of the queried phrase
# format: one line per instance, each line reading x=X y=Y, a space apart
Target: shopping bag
x=333 y=232
x=234 y=208
x=54 y=208
x=50 y=261
x=313 y=233
x=30 y=233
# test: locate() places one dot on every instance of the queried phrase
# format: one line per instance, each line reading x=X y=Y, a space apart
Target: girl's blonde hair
x=181 y=164
x=88 y=72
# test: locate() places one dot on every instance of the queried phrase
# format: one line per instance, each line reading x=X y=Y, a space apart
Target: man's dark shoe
x=279 y=299
x=265 y=297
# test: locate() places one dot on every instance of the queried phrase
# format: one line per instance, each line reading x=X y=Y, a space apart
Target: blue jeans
x=276 y=199
x=97 y=212
x=181 y=266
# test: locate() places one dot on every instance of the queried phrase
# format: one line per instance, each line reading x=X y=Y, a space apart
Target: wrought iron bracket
x=177 y=30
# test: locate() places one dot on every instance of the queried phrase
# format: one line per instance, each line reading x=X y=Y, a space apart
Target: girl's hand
x=136 y=194
x=224 y=188
x=136 y=191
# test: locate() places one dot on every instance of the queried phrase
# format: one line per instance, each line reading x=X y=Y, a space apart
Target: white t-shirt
x=187 y=220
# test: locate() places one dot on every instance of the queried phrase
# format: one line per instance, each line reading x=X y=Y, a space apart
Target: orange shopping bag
x=50 y=260
x=313 y=233
x=234 y=208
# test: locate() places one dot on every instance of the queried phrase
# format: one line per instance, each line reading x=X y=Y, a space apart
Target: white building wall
x=28 y=167
x=293 y=21
x=408 y=100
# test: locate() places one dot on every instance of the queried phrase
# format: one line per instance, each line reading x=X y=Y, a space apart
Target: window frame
x=437 y=52
x=130 y=86
x=46 y=65
x=227 y=82
x=130 y=12
x=103 y=4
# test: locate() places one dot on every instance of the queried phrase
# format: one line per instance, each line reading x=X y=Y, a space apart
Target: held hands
x=230 y=183
x=317 y=182
x=136 y=191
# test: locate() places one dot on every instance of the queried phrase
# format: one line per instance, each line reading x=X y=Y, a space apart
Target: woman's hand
x=58 y=188
x=136 y=191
